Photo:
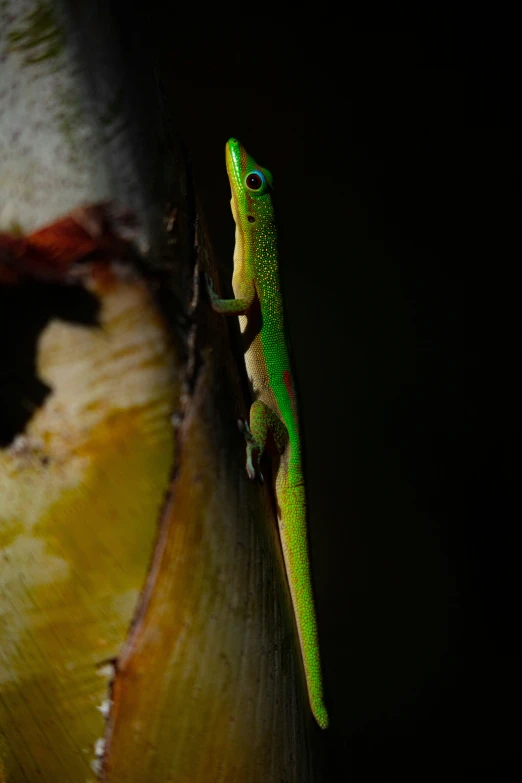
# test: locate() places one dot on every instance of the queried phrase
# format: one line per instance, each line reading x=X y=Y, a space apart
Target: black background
x=395 y=149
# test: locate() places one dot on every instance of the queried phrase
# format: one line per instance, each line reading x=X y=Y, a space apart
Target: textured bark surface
x=212 y=660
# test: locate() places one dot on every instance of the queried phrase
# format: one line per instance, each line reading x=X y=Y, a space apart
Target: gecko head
x=251 y=184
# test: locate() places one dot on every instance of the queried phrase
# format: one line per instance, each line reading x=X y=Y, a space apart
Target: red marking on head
x=244 y=160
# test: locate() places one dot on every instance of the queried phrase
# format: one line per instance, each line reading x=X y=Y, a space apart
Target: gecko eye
x=254 y=180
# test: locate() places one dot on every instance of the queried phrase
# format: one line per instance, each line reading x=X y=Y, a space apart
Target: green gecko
x=273 y=414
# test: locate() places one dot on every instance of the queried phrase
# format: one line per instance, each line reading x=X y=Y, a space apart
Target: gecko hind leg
x=263 y=423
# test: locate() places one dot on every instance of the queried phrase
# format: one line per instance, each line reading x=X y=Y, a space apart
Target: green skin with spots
x=273 y=416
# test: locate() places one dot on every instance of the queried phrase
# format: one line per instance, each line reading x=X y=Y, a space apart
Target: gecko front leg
x=231 y=306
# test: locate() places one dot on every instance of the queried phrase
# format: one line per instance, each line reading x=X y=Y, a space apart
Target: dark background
x=395 y=149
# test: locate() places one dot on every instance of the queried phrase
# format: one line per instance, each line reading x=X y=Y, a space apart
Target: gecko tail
x=320 y=714
x=294 y=542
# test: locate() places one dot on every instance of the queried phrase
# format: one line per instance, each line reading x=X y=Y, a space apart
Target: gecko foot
x=252 y=448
